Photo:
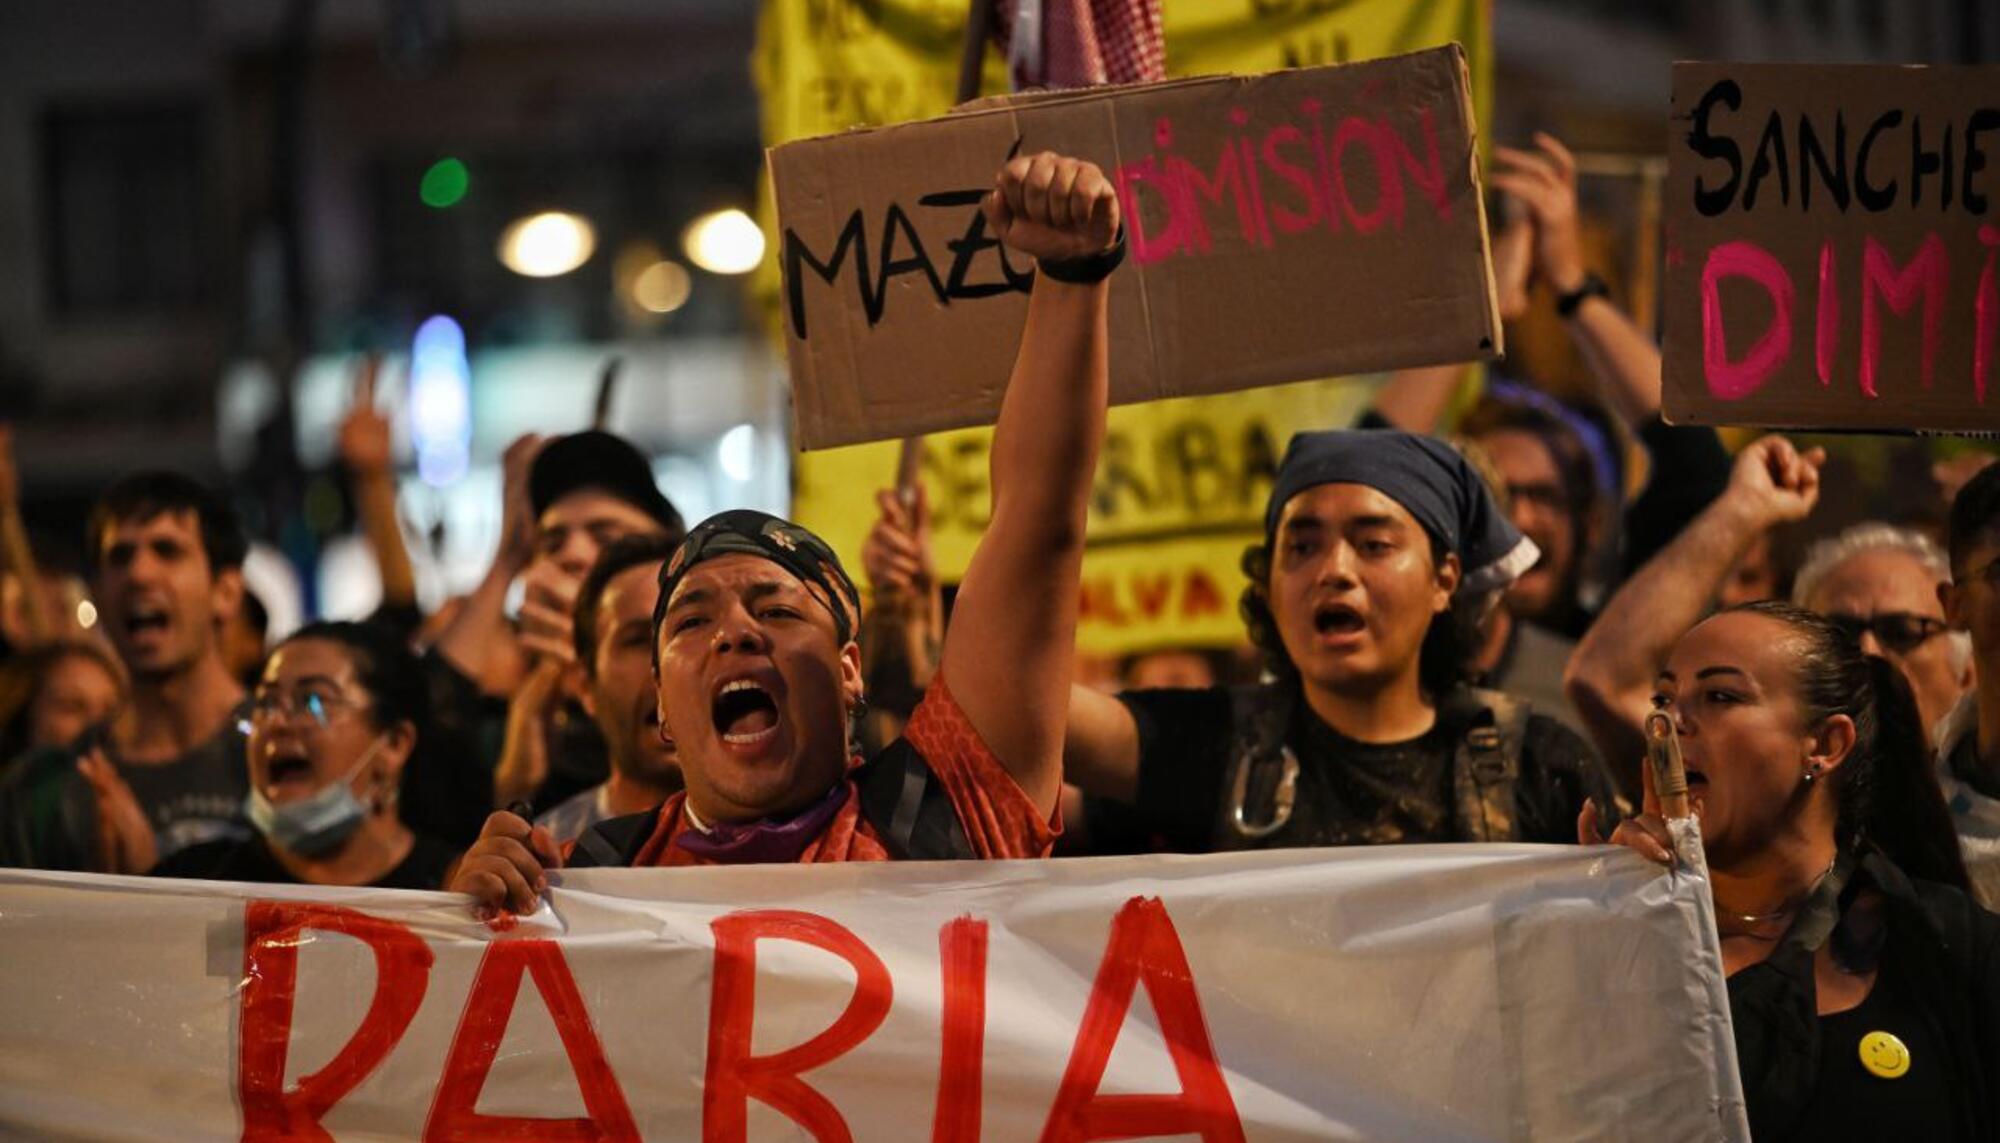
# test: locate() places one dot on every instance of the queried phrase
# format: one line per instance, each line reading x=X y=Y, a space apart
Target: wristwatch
x=1592 y=286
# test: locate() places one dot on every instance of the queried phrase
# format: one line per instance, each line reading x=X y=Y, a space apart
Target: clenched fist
x=507 y=868
x=1053 y=208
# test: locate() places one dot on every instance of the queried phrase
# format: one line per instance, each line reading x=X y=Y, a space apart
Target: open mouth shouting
x=145 y=621
x=1338 y=623
x=1697 y=782
x=288 y=773
x=745 y=713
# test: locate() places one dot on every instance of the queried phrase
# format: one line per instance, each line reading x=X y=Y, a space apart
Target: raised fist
x=1053 y=208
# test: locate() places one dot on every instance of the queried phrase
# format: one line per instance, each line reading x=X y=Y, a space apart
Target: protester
x=1374 y=539
x=168 y=771
x=336 y=715
x=1880 y=584
x=1610 y=677
x=1688 y=464
x=499 y=685
x=759 y=676
x=1968 y=741
x=1179 y=667
x=1839 y=898
x=614 y=656
x=51 y=695
x=902 y=627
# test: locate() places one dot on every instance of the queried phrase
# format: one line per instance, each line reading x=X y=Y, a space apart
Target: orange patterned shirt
x=998 y=817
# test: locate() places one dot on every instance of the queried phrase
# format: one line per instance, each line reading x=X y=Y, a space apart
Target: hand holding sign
x=1053 y=208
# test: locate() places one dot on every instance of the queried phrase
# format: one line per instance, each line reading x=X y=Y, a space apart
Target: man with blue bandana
x=1381 y=550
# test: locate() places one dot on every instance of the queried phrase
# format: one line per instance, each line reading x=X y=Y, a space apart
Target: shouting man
x=759 y=674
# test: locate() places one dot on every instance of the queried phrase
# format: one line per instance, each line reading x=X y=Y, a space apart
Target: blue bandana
x=1432 y=482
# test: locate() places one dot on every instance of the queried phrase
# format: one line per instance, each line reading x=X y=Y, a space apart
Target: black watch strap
x=1090 y=268
x=1592 y=286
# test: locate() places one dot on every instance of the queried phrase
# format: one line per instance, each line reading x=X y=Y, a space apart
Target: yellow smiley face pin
x=1884 y=1055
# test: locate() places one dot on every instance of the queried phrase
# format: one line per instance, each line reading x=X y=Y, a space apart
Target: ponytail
x=1898 y=803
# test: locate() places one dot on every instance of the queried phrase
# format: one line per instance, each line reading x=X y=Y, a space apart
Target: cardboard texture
x=1830 y=247
x=1281 y=227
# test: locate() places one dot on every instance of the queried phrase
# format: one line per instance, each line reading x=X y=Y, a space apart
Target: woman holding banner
x=1864 y=981
x=333 y=722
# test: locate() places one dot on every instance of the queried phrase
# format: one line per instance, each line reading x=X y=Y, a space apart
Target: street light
x=725 y=242
x=548 y=244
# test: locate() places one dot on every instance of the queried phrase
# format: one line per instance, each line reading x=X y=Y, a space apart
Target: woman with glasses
x=333 y=722
x=1864 y=982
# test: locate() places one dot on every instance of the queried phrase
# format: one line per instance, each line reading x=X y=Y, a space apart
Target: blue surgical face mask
x=318 y=823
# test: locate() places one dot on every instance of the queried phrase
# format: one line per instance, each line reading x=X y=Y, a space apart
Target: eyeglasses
x=1899 y=632
x=321 y=705
x=1549 y=499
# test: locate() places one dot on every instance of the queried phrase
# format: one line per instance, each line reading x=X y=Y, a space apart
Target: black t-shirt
x=1349 y=792
x=1690 y=468
x=470 y=730
x=1851 y=1102
x=422 y=868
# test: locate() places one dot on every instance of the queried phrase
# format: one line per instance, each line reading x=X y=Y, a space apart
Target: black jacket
x=1943 y=948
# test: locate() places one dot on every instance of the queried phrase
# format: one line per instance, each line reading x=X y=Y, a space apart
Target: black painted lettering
x=1982 y=120
x=798 y=256
x=1713 y=201
x=1770 y=155
x=1874 y=199
x=1812 y=158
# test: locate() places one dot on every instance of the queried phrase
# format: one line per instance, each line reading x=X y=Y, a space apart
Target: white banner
x=1436 y=993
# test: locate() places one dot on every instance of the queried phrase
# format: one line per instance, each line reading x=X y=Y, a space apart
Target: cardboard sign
x=1401 y=992
x=1831 y=233
x=1281 y=228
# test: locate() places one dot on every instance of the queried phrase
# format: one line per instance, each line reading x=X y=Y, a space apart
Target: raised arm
x=1013 y=631
x=16 y=558
x=1610 y=676
x=364 y=445
x=1621 y=357
x=479 y=643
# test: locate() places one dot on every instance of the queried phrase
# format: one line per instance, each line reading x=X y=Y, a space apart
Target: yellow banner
x=1180 y=493
x=1181 y=485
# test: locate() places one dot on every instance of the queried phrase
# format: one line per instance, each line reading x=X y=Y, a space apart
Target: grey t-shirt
x=48 y=818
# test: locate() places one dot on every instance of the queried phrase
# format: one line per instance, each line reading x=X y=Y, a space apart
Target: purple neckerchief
x=763 y=841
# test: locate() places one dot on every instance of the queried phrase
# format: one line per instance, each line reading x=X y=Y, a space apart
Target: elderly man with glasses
x=1880 y=584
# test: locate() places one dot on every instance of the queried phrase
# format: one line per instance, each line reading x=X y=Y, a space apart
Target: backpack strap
x=613 y=842
x=903 y=799
x=1486 y=766
x=1260 y=783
